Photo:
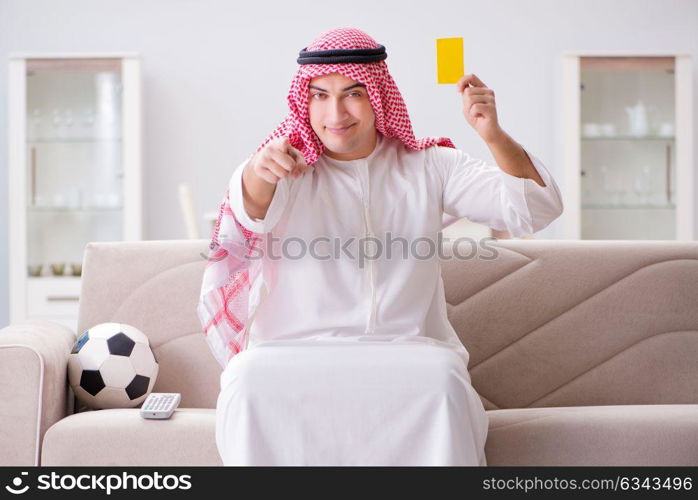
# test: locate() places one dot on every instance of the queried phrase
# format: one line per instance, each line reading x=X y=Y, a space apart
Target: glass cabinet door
x=627 y=151
x=74 y=173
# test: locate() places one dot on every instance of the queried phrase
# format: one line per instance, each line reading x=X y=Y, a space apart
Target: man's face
x=342 y=117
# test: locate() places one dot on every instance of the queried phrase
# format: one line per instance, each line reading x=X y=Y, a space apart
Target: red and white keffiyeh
x=224 y=304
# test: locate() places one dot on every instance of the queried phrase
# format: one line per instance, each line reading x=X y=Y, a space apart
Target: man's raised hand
x=479 y=107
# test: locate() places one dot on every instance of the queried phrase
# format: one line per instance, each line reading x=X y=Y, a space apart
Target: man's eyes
x=318 y=94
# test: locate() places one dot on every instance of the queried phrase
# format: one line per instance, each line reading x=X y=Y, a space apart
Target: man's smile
x=340 y=130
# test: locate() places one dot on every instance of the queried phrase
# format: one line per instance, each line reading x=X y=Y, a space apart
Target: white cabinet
x=75 y=172
x=628 y=147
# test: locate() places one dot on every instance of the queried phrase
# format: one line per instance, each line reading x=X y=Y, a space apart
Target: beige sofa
x=584 y=353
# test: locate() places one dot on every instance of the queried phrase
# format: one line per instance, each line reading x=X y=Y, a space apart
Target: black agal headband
x=335 y=56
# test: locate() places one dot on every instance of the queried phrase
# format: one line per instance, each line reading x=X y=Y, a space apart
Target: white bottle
x=637 y=119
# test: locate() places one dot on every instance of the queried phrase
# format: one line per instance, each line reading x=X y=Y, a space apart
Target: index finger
x=297 y=155
x=470 y=79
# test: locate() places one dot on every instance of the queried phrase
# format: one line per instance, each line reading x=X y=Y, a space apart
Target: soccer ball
x=112 y=366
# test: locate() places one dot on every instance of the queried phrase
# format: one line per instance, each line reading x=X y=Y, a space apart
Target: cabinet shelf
x=627 y=138
x=74 y=209
x=70 y=140
x=601 y=206
x=50 y=278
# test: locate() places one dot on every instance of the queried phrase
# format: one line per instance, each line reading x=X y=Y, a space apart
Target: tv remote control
x=160 y=404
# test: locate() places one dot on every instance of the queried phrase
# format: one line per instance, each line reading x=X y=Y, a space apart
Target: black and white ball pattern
x=112 y=366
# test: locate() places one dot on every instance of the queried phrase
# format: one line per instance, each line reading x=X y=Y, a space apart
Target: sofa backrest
x=546 y=322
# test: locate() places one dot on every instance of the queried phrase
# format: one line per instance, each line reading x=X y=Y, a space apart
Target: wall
x=216 y=73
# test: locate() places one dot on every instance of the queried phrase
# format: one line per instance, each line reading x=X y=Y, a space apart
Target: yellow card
x=449 y=60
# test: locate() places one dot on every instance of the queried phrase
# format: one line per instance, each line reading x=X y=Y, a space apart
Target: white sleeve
x=274 y=212
x=487 y=195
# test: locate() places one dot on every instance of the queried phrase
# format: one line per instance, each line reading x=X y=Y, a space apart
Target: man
x=346 y=350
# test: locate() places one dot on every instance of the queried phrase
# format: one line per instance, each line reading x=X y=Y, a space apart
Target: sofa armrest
x=34 y=392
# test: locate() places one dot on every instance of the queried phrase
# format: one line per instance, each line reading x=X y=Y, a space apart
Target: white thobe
x=316 y=292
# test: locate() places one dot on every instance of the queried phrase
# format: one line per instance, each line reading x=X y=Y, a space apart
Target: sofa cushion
x=121 y=437
x=642 y=435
